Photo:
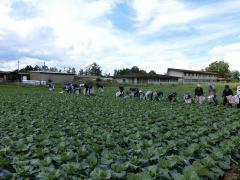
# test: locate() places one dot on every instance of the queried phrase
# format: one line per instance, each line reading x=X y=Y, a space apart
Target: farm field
x=48 y=135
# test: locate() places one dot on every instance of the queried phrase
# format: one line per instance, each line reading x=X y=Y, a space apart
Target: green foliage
x=48 y=135
x=219 y=67
x=125 y=71
x=235 y=76
x=93 y=69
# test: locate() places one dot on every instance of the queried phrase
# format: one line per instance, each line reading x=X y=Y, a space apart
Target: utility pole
x=18 y=65
x=44 y=67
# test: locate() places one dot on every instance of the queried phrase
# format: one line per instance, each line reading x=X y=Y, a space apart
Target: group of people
x=136 y=92
x=227 y=95
x=199 y=97
x=86 y=88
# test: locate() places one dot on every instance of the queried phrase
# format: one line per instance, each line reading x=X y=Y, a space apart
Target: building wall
x=56 y=78
x=143 y=81
x=198 y=78
x=3 y=77
x=175 y=73
x=193 y=77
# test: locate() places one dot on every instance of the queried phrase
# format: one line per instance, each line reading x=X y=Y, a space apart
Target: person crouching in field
x=172 y=97
x=141 y=96
x=76 y=89
x=51 y=87
x=149 y=95
x=199 y=94
x=227 y=92
x=120 y=93
x=121 y=90
x=88 y=89
x=100 y=89
x=158 y=95
x=212 y=98
x=238 y=96
x=187 y=98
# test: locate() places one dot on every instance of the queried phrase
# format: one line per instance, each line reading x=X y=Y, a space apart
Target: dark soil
x=232 y=174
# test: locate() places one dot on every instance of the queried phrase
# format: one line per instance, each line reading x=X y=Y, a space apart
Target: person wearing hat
x=226 y=92
x=199 y=94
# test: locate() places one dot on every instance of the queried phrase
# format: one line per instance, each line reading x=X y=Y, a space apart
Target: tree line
x=221 y=68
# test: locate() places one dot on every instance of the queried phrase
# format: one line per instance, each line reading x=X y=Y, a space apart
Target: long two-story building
x=190 y=76
x=145 y=79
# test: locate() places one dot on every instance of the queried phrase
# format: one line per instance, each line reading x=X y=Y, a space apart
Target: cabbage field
x=48 y=135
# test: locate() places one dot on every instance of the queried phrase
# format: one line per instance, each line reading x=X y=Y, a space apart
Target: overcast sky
x=152 y=34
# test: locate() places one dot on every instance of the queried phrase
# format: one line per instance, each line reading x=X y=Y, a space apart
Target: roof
x=192 y=71
x=5 y=72
x=146 y=76
x=23 y=73
x=48 y=72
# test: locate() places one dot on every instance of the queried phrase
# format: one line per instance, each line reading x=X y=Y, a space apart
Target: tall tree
x=69 y=70
x=28 y=68
x=81 y=72
x=93 y=69
x=219 y=67
x=235 y=75
x=73 y=70
x=37 y=68
x=53 y=69
x=152 y=72
x=45 y=68
x=125 y=71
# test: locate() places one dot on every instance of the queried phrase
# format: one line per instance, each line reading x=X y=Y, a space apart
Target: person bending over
x=199 y=94
x=212 y=98
x=172 y=97
x=226 y=92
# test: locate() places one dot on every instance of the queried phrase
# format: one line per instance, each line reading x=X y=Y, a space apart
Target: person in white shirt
x=238 y=95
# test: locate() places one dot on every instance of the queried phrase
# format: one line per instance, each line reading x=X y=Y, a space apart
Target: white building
x=190 y=76
x=145 y=79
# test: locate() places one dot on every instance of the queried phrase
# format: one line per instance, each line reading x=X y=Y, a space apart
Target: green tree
x=219 y=67
x=53 y=69
x=93 y=69
x=28 y=68
x=37 y=68
x=235 y=75
x=152 y=72
x=81 y=72
x=73 y=70
x=126 y=71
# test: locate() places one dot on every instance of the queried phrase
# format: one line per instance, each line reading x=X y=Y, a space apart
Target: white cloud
x=229 y=53
x=154 y=15
x=79 y=32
